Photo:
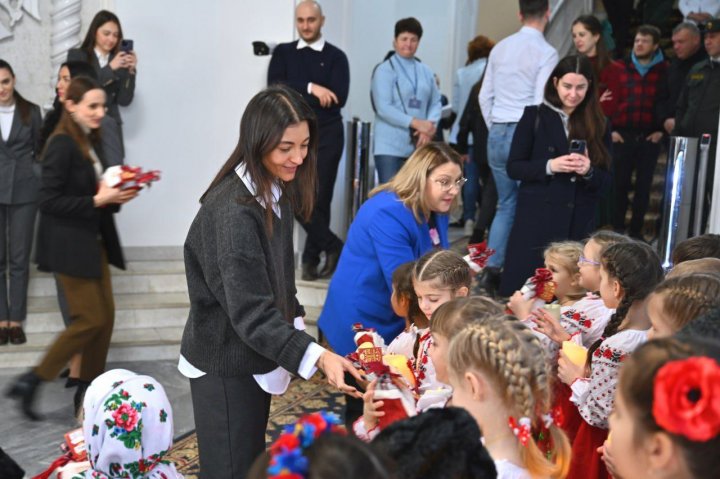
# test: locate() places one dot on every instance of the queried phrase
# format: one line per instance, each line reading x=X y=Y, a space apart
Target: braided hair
x=510 y=355
x=447 y=267
x=684 y=298
x=637 y=268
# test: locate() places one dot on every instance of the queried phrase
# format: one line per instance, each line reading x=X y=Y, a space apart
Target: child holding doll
x=580 y=323
x=628 y=274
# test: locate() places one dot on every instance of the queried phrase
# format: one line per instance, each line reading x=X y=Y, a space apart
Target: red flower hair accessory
x=521 y=428
x=687 y=398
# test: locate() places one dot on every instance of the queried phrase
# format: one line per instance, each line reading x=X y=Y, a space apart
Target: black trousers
x=319 y=236
x=231 y=416
x=637 y=155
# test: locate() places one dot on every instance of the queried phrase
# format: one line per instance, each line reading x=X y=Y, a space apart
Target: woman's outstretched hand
x=335 y=367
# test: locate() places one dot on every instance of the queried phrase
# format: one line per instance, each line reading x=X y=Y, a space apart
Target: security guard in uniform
x=699 y=103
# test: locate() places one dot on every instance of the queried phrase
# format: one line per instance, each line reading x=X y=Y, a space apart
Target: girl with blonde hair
x=498 y=375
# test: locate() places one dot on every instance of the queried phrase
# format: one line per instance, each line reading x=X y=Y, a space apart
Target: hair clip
x=521 y=428
x=287 y=460
x=555 y=416
x=684 y=398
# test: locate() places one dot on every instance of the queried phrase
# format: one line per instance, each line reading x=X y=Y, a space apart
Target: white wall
x=196 y=73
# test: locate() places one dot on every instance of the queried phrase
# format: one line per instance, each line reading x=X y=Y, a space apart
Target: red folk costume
x=594 y=398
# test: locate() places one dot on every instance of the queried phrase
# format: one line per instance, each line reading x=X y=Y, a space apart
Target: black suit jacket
x=19 y=181
x=71 y=228
x=119 y=84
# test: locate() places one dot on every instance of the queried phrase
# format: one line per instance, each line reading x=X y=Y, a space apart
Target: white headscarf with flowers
x=128 y=428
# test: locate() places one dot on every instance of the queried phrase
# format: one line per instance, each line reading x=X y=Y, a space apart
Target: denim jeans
x=471 y=189
x=499 y=140
x=387 y=166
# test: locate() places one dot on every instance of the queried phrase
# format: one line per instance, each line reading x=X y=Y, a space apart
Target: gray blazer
x=19 y=172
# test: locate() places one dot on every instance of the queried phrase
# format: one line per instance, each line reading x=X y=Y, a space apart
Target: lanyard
x=413 y=84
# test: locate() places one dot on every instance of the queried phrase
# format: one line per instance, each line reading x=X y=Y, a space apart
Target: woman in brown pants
x=77 y=240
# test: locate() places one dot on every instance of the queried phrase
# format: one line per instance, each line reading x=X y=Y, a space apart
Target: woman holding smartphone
x=559 y=188
x=113 y=59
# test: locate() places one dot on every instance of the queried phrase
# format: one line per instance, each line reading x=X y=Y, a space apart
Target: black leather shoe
x=25 y=389
x=331 y=262
x=309 y=272
x=16 y=335
x=4 y=338
x=489 y=281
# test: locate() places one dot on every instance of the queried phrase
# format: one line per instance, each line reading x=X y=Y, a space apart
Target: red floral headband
x=687 y=398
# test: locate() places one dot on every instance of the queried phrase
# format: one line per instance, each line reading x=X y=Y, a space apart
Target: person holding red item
x=628 y=274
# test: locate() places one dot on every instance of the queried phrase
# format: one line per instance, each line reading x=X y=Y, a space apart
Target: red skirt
x=571 y=418
x=586 y=462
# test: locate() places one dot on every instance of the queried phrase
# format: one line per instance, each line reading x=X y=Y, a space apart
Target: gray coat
x=19 y=172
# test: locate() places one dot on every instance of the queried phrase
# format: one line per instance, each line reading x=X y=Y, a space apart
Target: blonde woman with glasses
x=403 y=219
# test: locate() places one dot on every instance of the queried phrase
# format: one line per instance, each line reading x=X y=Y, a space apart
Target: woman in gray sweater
x=244 y=334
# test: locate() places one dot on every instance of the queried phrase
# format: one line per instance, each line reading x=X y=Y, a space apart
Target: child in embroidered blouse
x=496 y=374
x=562 y=259
x=438 y=277
x=582 y=322
x=628 y=274
x=405 y=304
x=679 y=300
x=665 y=422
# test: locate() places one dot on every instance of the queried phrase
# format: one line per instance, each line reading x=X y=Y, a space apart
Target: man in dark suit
x=320 y=72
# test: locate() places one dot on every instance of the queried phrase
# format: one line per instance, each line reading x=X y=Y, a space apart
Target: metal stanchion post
x=700 y=188
x=678 y=196
x=358 y=160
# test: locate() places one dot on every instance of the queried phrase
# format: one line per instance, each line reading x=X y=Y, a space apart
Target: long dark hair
x=587 y=121
x=262 y=126
x=23 y=106
x=52 y=118
x=100 y=19
x=636 y=266
x=77 y=89
x=593 y=25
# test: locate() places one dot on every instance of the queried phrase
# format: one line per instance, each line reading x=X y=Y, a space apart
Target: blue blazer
x=383 y=236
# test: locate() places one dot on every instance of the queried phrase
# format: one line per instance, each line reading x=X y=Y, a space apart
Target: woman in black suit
x=559 y=189
x=77 y=240
x=116 y=69
x=20 y=123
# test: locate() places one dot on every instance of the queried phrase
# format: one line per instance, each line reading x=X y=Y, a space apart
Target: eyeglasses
x=583 y=260
x=447 y=185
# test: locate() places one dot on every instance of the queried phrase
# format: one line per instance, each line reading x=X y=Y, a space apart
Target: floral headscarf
x=128 y=428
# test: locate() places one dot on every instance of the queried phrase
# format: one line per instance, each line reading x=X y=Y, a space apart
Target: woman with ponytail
x=498 y=375
x=628 y=274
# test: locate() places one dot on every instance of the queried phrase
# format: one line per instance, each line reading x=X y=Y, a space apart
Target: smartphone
x=126 y=45
x=578 y=146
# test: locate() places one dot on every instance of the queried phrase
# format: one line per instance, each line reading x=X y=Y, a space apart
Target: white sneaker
x=469 y=227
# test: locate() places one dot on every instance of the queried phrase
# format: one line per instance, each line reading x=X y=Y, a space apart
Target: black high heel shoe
x=25 y=389
x=80 y=395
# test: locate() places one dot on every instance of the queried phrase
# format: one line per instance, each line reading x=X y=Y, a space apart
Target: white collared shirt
x=103 y=58
x=277 y=380
x=317 y=45
x=515 y=76
x=6 y=120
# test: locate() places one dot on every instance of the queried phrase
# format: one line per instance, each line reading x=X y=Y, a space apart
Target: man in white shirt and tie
x=515 y=77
